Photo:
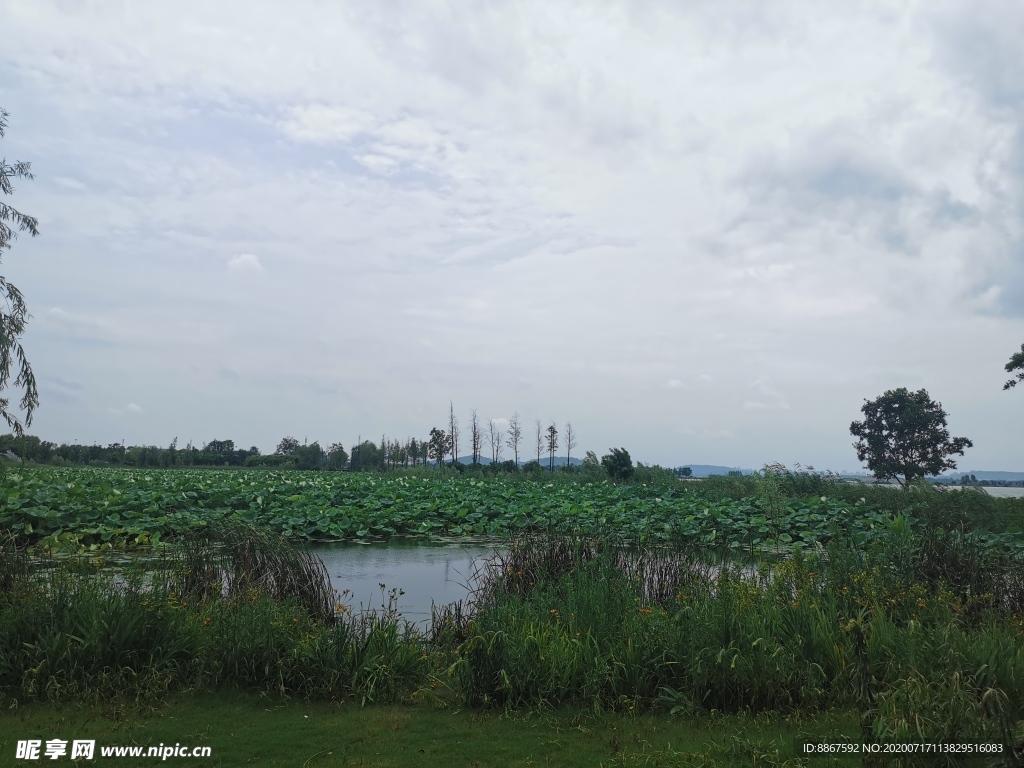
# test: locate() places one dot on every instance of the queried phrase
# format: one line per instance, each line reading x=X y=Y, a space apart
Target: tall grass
x=229 y=559
x=614 y=625
x=234 y=609
x=14 y=565
x=966 y=509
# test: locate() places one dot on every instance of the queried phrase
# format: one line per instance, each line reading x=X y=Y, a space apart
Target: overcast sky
x=704 y=231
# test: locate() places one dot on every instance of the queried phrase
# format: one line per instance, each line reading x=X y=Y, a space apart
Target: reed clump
x=619 y=625
x=233 y=609
x=230 y=559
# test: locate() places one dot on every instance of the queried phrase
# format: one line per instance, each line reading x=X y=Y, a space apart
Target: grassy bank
x=920 y=634
x=245 y=730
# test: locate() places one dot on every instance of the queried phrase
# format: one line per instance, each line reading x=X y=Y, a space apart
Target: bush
x=278 y=460
x=655 y=476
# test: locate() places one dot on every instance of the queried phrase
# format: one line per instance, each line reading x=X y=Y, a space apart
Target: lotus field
x=100 y=507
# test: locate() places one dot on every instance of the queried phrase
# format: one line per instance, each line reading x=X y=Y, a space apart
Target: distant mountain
x=983 y=474
x=706 y=470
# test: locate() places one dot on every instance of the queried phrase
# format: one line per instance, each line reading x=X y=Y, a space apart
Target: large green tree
x=1016 y=364
x=904 y=433
x=337 y=456
x=618 y=464
x=439 y=445
x=287 y=446
x=13 y=312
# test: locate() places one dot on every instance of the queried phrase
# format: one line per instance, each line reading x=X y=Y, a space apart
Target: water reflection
x=425 y=572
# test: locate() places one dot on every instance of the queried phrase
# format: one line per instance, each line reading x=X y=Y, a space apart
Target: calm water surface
x=999 y=491
x=426 y=572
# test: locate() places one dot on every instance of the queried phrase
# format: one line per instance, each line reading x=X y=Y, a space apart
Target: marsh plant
x=229 y=559
x=921 y=633
x=236 y=608
x=626 y=626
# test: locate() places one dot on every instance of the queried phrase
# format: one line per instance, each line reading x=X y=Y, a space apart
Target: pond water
x=426 y=572
x=1001 y=491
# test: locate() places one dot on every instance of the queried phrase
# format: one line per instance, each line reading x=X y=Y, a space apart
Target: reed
x=14 y=564
x=628 y=626
x=231 y=559
x=237 y=609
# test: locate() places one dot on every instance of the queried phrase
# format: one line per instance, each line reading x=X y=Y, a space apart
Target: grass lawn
x=245 y=729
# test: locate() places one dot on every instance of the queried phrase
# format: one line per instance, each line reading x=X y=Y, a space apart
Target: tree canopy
x=904 y=433
x=618 y=464
x=1016 y=364
x=287 y=446
x=14 y=315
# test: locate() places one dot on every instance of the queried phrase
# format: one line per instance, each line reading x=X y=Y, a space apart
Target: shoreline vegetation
x=783 y=597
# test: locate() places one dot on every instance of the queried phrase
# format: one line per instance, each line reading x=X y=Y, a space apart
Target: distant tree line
x=216 y=453
x=439 y=449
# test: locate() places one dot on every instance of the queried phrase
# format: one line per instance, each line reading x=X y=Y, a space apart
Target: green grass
x=246 y=730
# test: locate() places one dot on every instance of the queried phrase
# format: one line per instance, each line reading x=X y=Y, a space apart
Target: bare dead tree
x=476 y=436
x=570 y=441
x=494 y=434
x=515 y=435
x=552 y=446
x=453 y=432
x=540 y=439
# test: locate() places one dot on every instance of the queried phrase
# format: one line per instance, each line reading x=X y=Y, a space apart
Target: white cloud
x=73 y=184
x=245 y=262
x=322 y=124
x=556 y=209
x=772 y=399
x=129 y=408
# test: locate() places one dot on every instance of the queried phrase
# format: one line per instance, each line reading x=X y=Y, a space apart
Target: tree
x=337 y=457
x=1016 y=364
x=309 y=456
x=552 y=441
x=570 y=442
x=439 y=445
x=494 y=435
x=287 y=446
x=365 y=456
x=453 y=433
x=515 y=436
x=13 y=311
x=618 y=464
x=904 y=433
x=540 y=440
x=685 y=472
x=476 y=436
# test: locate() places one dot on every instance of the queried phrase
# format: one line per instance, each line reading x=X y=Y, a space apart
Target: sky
x=706 y=232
